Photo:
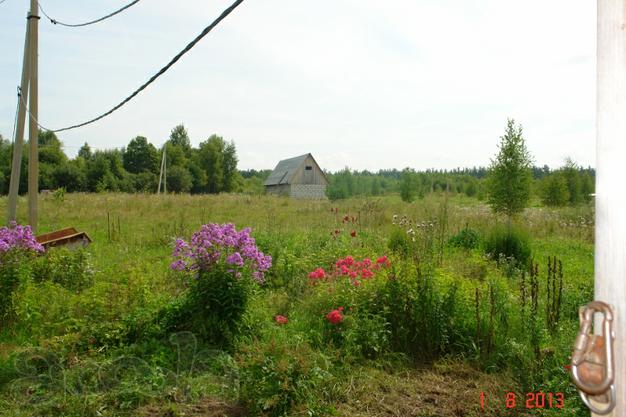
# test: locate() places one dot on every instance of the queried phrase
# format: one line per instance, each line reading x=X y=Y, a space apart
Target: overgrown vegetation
x=365 y=298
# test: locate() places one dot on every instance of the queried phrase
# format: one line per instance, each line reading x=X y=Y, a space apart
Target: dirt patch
x=204 y=408
x=6 y=349
x=448 y=389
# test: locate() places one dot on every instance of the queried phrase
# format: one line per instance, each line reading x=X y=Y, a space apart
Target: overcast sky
x=365 y=84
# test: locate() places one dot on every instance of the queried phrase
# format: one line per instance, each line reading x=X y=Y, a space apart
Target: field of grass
x=429 y=335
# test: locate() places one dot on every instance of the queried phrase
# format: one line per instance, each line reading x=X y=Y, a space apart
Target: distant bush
x=466 y=239
x=512 y=243
x=399 y=242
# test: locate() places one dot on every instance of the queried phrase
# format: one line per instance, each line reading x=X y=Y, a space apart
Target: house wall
x=283 y=189
x=312 y=191
x=314 y=176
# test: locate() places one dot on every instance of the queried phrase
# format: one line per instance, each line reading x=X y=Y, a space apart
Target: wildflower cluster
x=18 y=237
x=410 y=226
x=352 y=268
x=215 y=244
x=281 y=319
x=349 y=219
x=346 y=219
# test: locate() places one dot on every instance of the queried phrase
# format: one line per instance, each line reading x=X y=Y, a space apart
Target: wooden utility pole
x=165 y=169
x=16 y=165
x=610 y=240
x=33 y=105
x=162 y=171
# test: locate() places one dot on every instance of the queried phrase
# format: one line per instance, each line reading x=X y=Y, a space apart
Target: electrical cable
x=19 y=93
x=162 y=71
x=76 y=25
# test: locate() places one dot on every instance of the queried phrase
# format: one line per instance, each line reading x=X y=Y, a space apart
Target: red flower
x=281 y=319
x=383 y=261
x=335 y=316
x=366 y=273
x=353 y=233
x=319 y=273
x=346 y=218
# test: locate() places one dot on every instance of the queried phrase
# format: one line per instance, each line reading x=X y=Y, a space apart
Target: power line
x=76 y=25
x=19 y=93
x=154 y=77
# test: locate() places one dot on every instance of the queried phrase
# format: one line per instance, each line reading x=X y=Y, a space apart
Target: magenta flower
x=16 y=237
x=214 y=244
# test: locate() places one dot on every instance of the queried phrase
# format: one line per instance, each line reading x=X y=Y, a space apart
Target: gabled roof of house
x=286 y=169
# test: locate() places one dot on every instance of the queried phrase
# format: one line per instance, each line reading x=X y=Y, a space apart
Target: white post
x=610 y=245
x=33 y=107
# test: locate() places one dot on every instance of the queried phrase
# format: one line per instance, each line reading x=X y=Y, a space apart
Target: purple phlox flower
x=212 y=240
x=178 y=265
x=258 y=276
x=18 y=237
x=235 y=259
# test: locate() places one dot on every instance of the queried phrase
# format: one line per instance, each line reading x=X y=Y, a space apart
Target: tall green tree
x=140 y=156
x=180 y=137
x=85 y=152
x=50 y=149
x=571 y=174
x=229 y=168
x=586 y=187
x=510 y=177
x=211 y=156
x=178 y=180
x=554 y=190
x=408 y=185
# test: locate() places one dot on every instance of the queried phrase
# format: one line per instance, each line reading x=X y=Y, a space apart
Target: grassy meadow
x=440 y=329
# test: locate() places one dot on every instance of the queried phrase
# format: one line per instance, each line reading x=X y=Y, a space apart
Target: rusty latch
x=592 y=360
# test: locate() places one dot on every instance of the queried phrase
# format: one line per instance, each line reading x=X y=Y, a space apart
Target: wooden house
x=299 y=177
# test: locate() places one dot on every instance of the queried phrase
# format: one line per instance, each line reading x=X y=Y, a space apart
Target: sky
x=361 y=84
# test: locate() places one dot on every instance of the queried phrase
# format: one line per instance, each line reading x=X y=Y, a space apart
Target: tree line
x=567 y=185
x=209 y=168
x=212 y=168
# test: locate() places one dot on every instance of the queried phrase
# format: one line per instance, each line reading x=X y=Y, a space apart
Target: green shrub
x=466 y=239
x=512 y=243
x=367 y=335
x=212 y=308
x=399 y=242
x=70 y=268
x=283 y=378
x=15 y=268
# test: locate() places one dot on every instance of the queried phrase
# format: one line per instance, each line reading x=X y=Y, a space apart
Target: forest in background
x=211 y=168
